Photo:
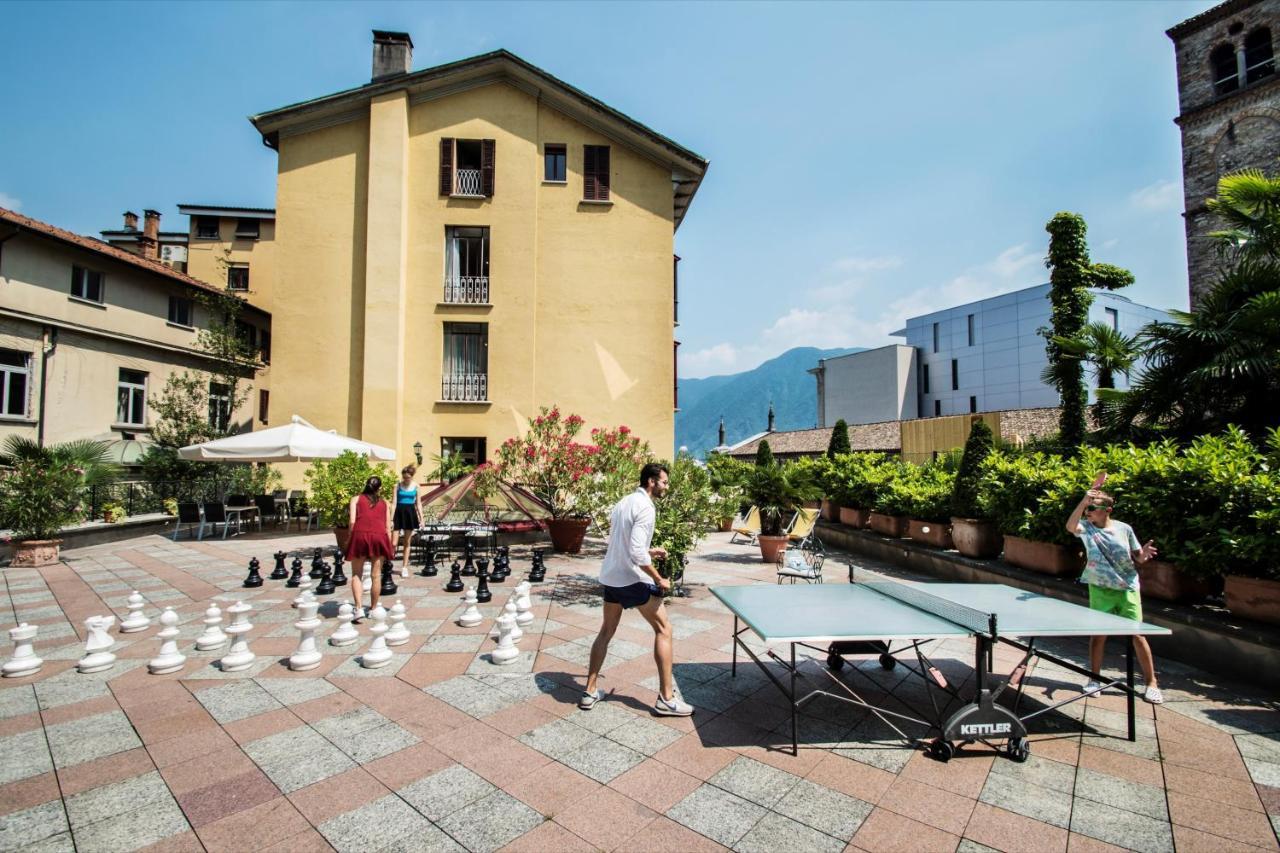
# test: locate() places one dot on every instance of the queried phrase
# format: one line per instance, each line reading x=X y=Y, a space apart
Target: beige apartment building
x=90 y=333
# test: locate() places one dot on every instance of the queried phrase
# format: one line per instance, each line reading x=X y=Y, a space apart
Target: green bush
x=687 y=511
x=764 y=454
x=977 y=447
x=809 y=475
x=928 y=491
x=728 y=480
x=857 y=478
x=839 y=440
x=1030 y=495
x=774 y=495
x=331 y=484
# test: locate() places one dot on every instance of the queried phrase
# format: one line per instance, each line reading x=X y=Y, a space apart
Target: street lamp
x=417 y=451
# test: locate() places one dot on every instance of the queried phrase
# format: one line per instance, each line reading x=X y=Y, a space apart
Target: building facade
x=461 y=245
x=868 y=387
x=90 y=334
x=233 y=248
x=1228 y=112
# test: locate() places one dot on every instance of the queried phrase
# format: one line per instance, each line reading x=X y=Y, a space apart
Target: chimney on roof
x=149 y=241
x=771 y=417
x=130 y=221
x=392 y=54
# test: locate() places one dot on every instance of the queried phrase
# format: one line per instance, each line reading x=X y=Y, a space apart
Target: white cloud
x=858 y=264
x=10 y=202
x=1158 y=197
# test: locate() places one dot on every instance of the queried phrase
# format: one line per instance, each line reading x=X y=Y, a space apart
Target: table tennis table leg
x=1128 y=665
x=795 y=741
x=733 y=670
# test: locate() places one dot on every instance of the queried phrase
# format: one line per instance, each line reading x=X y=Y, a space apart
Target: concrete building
x=868 y=387
x=90 y=333
x=463 y=244
x=168 y=247
x=1228 y=112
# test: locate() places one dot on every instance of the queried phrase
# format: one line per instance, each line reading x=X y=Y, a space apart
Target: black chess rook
x=279 y=572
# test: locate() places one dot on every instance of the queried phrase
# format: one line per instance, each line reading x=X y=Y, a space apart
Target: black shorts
x=631 y=595
x=406 y=517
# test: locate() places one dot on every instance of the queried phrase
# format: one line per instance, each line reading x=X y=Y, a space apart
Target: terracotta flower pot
x=1044 y=557
x=853 y=517
x=976 y=537
x=830 y=510
x=888 y=525
x=1162 y=580
x=32 y=553
x=933 y=533
x=567 y=534
x=726 y=524
x=770 y=547
x=1253 y=598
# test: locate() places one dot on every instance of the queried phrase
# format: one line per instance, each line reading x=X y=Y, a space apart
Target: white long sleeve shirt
x=630 y=534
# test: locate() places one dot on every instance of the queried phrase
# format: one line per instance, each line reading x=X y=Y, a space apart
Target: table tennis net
x=978 y=621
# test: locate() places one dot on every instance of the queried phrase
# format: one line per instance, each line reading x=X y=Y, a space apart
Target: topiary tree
x=839 y=439
x=964 y=497
x=1071 y=275
x=764 y=455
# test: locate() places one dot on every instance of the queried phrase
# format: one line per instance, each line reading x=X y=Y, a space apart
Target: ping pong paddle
x=1099 y=480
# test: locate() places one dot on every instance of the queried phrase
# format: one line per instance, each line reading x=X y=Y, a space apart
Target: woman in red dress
x=370 y=524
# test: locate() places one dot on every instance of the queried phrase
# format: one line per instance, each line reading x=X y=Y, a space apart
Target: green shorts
x=1121 y=602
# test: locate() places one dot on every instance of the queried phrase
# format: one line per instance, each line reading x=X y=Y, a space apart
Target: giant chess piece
x=326 y=585
x=398 y=635
x=170 y=659
x=366 y=577
x=24 y=660
x=429 y=569
x=136 y=620
x=304 y=591
x=296 y=578
x=97 y=645
x=482 y=590
x=509 y=612
x=471 y=616
x=468 y=558
x=377 y=654
x=279 y=573
x=502 y=563
x=538 y=573
x=339 y=576
x=455 y=579
x=238 y=657
x=494 y=576
x=307 y=656
x=254 y=579
x=212 y=637
x=506 y=652
x=524 y=605
x=346 y=633
x=388 y=580
x=317 y=562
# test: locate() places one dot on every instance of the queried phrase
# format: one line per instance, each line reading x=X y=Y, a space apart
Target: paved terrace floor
x=441 y=750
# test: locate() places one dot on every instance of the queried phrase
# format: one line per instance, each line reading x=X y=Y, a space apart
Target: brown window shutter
x=446 y=166
x=588 y=172
x=602 y=173
x=486 y=166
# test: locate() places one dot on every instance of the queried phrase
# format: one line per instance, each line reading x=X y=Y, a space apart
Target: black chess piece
x=496 y=575
x=317 y=565
x=388 y=581
x=468 y=558
x=482 y=589
x=339 y=576
x=295 y=579
x=429 y=569
x=455 y=579
x=279 y=572
x=538 y=573
x=326 y=585
x=254 y=578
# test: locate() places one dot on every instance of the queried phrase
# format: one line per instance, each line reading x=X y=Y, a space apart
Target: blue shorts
x=631 y=595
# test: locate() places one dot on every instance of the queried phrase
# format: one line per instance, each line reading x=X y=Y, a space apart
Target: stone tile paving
x=442 y=750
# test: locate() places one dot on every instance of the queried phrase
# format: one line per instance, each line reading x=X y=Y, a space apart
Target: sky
x=869 y=161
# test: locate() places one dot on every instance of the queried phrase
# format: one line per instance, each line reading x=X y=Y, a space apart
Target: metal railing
x=466 y=289
x=466 y=182
x=465 y=387
x=141 y=497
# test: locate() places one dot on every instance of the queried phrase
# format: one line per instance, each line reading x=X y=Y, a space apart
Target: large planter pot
x=32 y=553
x=771 y=547
x=976 y=537
x=342 y=535
x=830 y=510
x=1253 y=598
x=1162 y=580
x=567 y=534
x=1043 y=557
x=726 y=524
x=932 y=533
x=853 y=517
x=812 y=504
x=888 y=525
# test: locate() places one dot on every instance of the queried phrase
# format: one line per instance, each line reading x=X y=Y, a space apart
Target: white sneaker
x=1094 y=687
x=404 y=570
x=673 y=707
x=589 y=700
x=1153 y=695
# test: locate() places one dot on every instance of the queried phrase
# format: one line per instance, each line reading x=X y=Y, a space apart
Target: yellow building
x=232 y=248
x=461 y=245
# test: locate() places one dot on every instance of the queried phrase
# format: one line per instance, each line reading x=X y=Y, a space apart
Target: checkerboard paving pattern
x=443 y=750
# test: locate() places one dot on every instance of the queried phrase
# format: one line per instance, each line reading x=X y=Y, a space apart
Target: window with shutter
x=595 y=172
x=446 y=166
x=487 y=147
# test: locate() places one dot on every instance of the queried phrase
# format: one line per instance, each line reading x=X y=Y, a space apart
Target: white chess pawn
x=346 y=633
x=524 y=605
x=170 y=659
x=377 y=654
x=136 y=620
x=509 y=612
x=304 y=591
x=366 y=578
x=212 y=637
x=307 y=656
x=238 y=657
x=471 y=616
x=24 y=660
x=398 y=635
x=506 y=652
x=97 y=645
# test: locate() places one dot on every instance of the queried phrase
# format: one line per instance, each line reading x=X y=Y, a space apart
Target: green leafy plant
x=687 y=511
x=857 y=479
x=1030 y=495
x=839 y=442
x=332 y=483
x=809 y=476
x=449 y=469
x=617 y=459
x=170 y=506
x=926 y=492
x=42 y=488
x=113 y=512
x=977 y=447
x=728 y=477
x=548 y=462
x=764 y=453
x=773 y=494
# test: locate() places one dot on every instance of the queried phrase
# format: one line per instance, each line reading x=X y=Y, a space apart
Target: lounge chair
x=802 y=525
x=747 y=526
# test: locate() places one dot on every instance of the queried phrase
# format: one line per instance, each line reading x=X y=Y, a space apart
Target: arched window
x=1259 y=60
x=1226 y=75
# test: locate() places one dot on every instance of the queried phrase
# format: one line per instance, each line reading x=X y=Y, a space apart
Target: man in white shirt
x=630 y=580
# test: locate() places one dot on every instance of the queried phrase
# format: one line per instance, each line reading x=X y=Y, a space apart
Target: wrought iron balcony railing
x=465 y=387
x=466 y=182
x=466 y=289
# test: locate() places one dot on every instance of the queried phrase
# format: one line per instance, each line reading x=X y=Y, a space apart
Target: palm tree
x=1107 y=350
x=92 y=457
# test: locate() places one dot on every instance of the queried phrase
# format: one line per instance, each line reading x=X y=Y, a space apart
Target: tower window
x=1259 y=59
x=1226 y=74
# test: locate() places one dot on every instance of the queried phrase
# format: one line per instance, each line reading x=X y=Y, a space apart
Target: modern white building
x=985 y=356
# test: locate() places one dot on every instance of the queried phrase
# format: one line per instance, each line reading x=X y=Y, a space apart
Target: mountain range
x=743 y=400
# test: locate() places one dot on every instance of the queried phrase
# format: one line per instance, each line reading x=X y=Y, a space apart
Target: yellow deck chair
x=747 y=526
x=802 y=525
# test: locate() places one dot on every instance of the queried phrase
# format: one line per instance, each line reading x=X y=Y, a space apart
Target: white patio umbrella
x=296 y=441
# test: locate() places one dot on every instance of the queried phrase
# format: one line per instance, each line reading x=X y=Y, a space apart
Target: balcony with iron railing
x=465 y=388
x=467 y=182
x=466 y=289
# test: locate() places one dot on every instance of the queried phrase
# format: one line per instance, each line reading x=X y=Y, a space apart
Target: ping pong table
x=894 y=621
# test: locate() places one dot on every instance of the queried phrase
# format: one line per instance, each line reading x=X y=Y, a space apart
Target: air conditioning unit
x=173 y=254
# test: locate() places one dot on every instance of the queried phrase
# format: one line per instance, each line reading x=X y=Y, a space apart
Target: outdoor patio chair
x=215 y=514
x=267 y=508
x=300 y=512
x=802 y=525
x=747 y=526
x=189 y=514
x=800 y=564
x=239 y=500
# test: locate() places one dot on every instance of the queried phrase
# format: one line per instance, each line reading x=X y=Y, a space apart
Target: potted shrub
x=929 y=505
x=837 y=446
x=112 y=512
x=170 y=506
x=42 y=491
x=808 y=475
x=971 y=533
x=859 y=477
x=1030 y=496
x=727 y=478
x=684 y=516
x=892 y=500
x=332 y=483
x=769 y=490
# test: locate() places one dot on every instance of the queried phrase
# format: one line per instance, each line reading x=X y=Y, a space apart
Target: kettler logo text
x=981 y=729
